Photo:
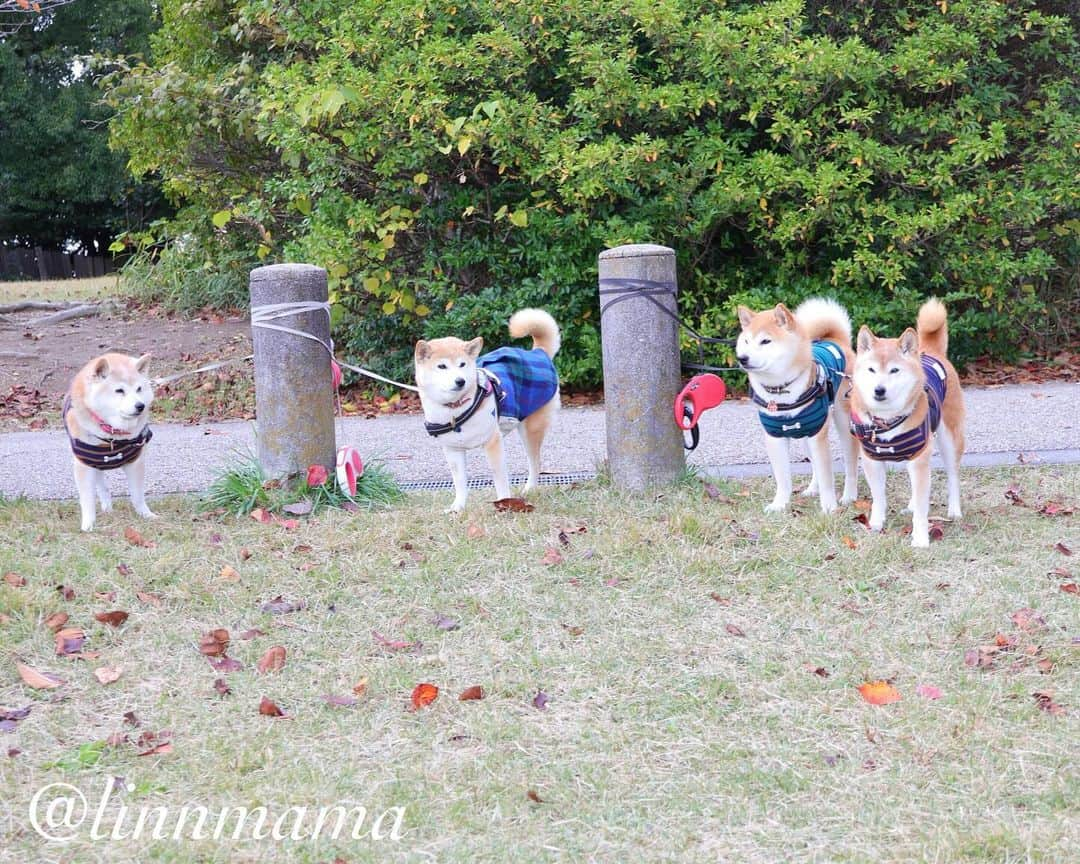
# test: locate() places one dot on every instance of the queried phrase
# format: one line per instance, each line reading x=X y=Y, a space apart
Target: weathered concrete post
x=642 y=367
x=294 y=398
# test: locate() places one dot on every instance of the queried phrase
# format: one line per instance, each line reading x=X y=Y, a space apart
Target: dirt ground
x=38 y=361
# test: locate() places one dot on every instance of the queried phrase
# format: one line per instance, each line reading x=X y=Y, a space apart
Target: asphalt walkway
x=1037 y=424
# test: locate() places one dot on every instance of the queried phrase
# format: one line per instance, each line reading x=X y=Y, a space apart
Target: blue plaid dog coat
x=814 y=403
x=526 y=380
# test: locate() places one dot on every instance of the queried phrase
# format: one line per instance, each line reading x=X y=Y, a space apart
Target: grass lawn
x=699 y=660
x=61 y=290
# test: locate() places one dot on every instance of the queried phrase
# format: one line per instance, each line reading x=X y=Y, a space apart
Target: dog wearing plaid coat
x=471 y=400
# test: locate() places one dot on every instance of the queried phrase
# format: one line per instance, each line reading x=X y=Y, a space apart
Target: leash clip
x=701 y=393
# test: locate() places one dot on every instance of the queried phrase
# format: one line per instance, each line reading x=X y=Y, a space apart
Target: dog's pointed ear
x=909 y=341
x=473 y=348
x=745 y=316
x=423 y=350
x=142 y=363
x=101 y=368
x=865 y=340
x=784 y=317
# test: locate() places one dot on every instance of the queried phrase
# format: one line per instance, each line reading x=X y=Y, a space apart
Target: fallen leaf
x=879 y=692
x=936 y=532
x=280 y=606
x=1062 y=548
x=222 y=687
x=107 y=674
x=1028 y=620
x=573 y=630
x=514 y=505
x=105 y=596
x=229 y=574
x=215 y=642
x=261 y=515
x=317 y=475
x=70 y=640
x=862 y=519
x=734 y=629
x=66 y=592
x=1053 y=508
x=552 y=556
x=723 y=601
x=927 y=691
x=710 y=491
x=245 y=554
x=269 y=709
x=847 y=541
x=113 y=619
x=57 y=620
x=225 y=664
x=248 y=635
x=862 y=504
x=272 y=661
x=540 y=700
x=15 y=714
x=130 y=718
x=123 y=569
x=340 y=701
x=820 y=671
x=136 y=539
x=1069 y=588
x=393 y=644
x=360 y=687
x=471 y=693
x=299 y=508
x=15 y=580
x=532 y=796
x=145 y=597
x=37 y=680
x=1045 y=700
x=475 y=531
x=423 y=694
x=444 y=622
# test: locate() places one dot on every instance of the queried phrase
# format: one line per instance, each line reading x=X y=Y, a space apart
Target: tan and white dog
x=905 y=392
x=471 y=400
x=795 y=362
x=107 y=412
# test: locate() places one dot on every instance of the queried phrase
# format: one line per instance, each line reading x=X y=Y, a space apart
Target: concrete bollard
x=294 y=398
x=642 y=365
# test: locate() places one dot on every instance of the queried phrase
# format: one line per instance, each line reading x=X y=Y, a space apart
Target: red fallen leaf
x=423 y=694
x=245 y=554
x=113 y=619
x=272 y=661
x=225 y=664
x=879 y=692
x=340 y=701
x=1028 y=619
x=280 y=606
x=820 y=671
x=1069 y=588
x=317 y=475
x=1062 y=572
x=123 y=569
x=734 y=629
x=57 y=620
x=928 y=691
x=514 y=505
x=116 y=739
x=70 y=641
x=475 y=531
x=152 y=599
x=66 y=592
x=1045 y=700
x=847 y=541
x=360 y=687
x=269 y=709
x=862 y=519
x=222 y=687
x=552 y=556
x=37 y=680
x=471 y=693
x=1052 y=508
x=1062 y=548
x=532 y=796
x=540 y=700
x=287 y=524
x=136 y=539
x=261 y=515
x=248 y=635
x=936 y=532
x=15 y=580
x=393 y=644
x=723 y=601
x=215 y=642
x=157 y=749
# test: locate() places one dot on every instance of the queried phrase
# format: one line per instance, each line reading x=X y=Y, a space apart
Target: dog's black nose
x=743 y=359
x=139 y=406
x=879 y=392
x=459 y=383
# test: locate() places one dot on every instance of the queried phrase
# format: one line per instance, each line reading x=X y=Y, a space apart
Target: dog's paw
x=456 y=507
x=920 y=542
x=811 y=489
x=828 y=507
x=87 y=526
x=848 y=498
x=776 y=506
x=877 y=526
x=909 y=507
x=955 y=513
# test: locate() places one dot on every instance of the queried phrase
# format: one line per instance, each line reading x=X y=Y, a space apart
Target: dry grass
x=668 y=736
x=60 y=290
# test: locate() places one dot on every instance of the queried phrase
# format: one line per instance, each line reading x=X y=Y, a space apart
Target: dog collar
x=456 y=404
x=105 y=427
x=779 y=388
x=485 y=384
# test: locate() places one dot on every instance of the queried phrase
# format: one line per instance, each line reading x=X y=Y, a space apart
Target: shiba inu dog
x=795 y=362
x=107 y=412
x=471 y=400
x=904 y=392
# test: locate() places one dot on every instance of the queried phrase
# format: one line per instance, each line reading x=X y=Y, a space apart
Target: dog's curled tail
x=933 y=329
x=538 y=324
x=824 y=318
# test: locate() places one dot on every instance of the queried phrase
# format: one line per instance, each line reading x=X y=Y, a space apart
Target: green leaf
x=371 y=284
x=520 y=218
x=389 y=307
x=117 y=246
x=463 y=144
x=420 y=179
x=221 y=218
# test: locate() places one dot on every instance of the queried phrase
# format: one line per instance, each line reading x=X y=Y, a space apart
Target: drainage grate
x=480 y=482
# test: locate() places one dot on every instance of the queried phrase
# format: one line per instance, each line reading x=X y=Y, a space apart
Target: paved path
x=1040 y=421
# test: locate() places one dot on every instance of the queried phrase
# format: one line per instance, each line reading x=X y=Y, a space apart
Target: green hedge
x=448 y=162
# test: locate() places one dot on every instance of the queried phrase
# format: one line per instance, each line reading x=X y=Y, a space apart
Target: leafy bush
x=442 y=160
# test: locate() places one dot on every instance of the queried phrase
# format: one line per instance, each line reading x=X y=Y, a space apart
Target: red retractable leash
x=701 y=393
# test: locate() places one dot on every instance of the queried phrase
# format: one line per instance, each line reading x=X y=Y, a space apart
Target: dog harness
x=105 y=457
x=814 y=402
x=905 y=446
x=522 y=381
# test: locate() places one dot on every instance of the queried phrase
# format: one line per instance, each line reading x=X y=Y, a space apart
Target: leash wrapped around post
x=701 y=393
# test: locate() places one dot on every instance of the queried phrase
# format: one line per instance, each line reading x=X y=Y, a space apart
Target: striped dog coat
x=903 y=447
x=814 y=403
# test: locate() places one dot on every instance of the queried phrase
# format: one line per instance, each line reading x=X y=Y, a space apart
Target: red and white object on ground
x=350 y=468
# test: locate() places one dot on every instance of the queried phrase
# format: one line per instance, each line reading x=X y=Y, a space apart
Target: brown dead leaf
x=57 y=620
x=113 y=619
x=214 y=643
x=123 y=569
x=471 y=693
x=136 y=539
x=222 y=687
x=37 y=680
x=847 y=541
x=272 y=661
x=15 y=580
x=532 y=796
x=66 y=592
x=393 y=644
x=723 y=601
x=820 y=671
x=280 y=606
x=1045 y=700
x=229 y=574
x=1062 y=548
x=340 y=701
x=70 y=641
x=423 y=695
x=360 y=687
x=1028 y=620
x=107 y=674
x=245 y=554
x=225 y=664
x=475 y=531
x=151 y=599
x=734 y=629
x=514 y=505
x=552 y=556
x=1069 y=588
x=268 y=709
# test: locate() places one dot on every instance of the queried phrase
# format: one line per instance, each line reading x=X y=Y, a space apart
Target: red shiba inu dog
x=905 y=391
x=795 y=363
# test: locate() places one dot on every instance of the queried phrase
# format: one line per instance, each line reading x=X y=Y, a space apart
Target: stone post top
x=278 y=271
x=636 y=250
